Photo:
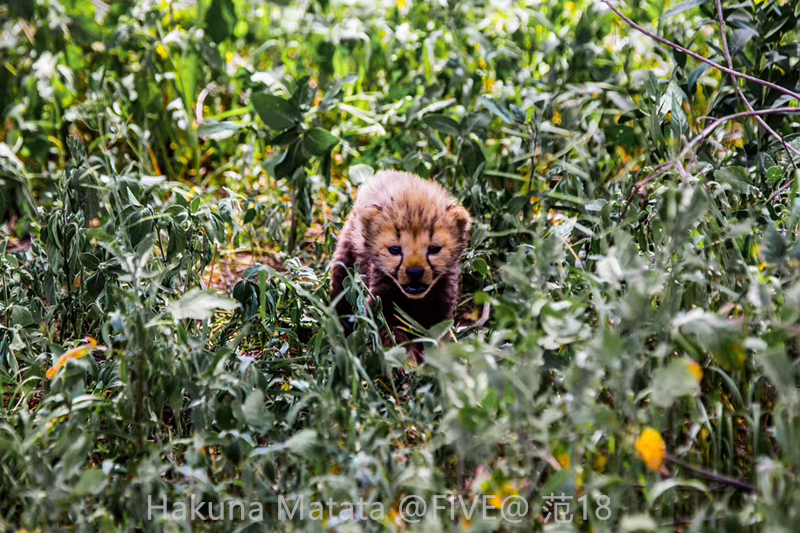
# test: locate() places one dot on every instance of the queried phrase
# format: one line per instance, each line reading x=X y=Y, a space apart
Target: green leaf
x=471 y=156
x=140 y=224
x=253 y=409
x=774 y=174
x=21 y=316
x=220 y=20
x=92 y=481
x=199 y=304
x=652 y=87
x=359 y=174
x=673 y=381
x=218 y=131
x=317 y=141
x=190 y=70
x=740 y=38
x=516 y=204
x=277 y=113
x=680 y=124
x=721 y=337
x=326 y=167
x=737 y=177
x=304 y=443
x=778 y=369
x=774 y=245
x=656 y=133
x=286 y=137
x=95 y=284
x=682 y=8
x=479 y=265
x=695 y=75
x=177 y=240
x=334 y=93
x=475 y=122
x=304 y=93
x=443 y=124
x=638 y=522
x=662 y=487
x=496 y=109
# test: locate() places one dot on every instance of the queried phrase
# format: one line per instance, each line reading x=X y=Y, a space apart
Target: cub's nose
x=415 y=274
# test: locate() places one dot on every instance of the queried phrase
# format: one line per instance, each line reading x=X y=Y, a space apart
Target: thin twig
x=741 y=485
x=781 y=190
x=716 y=122
x=698 y=56
x=723 y=33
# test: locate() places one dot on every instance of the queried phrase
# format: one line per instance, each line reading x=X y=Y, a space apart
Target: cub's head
x=415 y=237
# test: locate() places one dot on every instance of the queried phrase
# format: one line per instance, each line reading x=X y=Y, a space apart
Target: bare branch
x=723 y=32
x=741 y=485
x=719 y=121
x=716 y=122
x=698 y=56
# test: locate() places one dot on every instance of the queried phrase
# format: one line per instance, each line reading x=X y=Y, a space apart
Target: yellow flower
x=563 y=460
x=162 y=51
x=401 y=4
x=395 y=519
x=696 y=371
x=738 y=352
x=556 y=118
x=600 y=462
x=501 y=492
x=651 y=448
x=74 y=353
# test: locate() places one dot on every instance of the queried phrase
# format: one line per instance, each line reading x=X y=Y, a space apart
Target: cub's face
x=415 y=244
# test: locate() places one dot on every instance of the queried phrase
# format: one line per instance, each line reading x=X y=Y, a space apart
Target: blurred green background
x=173 y=175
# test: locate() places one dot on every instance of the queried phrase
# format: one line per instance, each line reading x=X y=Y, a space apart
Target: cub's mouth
x=415 y=289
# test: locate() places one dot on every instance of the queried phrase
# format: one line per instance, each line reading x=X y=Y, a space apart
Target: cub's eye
x=395 y=250
x=434 y=249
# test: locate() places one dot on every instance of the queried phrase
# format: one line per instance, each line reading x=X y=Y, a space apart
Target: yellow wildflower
x=600 y=462
x=651 y=448
x=556 y=118
x=162 y=51
x=74 y=353
x=696 y=371
x=501 y=492
x=738 y=352
x=563 y=460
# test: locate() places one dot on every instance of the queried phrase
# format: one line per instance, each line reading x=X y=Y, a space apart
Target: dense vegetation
x=173 y=177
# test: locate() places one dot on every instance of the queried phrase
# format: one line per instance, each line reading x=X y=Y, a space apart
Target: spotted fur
x=398 y=210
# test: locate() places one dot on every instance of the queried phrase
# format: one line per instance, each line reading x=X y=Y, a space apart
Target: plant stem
x=741 y=485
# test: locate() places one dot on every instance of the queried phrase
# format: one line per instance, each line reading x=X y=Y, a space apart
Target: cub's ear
x=367 y=218
x=460 y=219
